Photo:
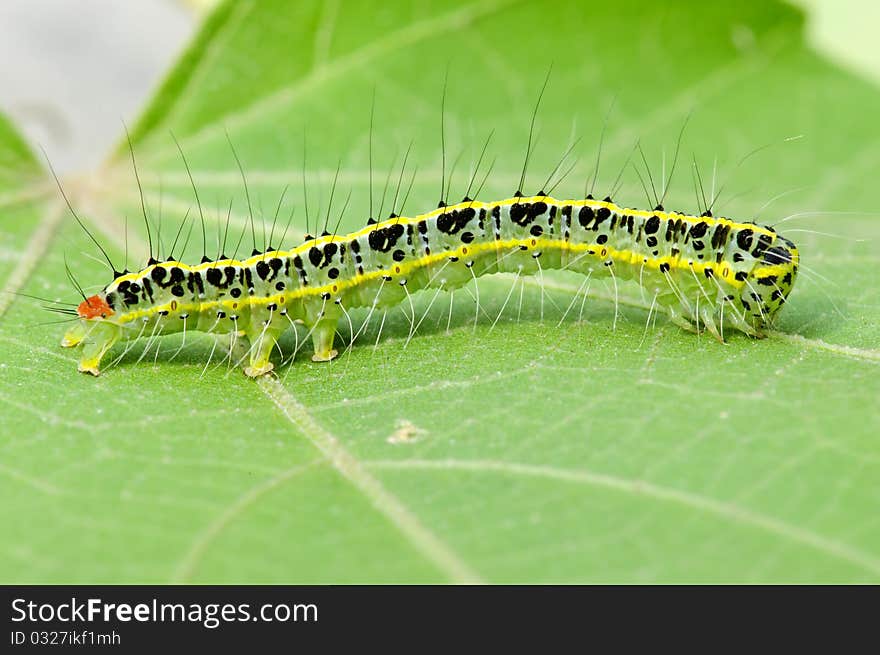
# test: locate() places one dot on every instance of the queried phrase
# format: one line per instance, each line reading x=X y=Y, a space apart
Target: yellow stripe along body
x=712 y=271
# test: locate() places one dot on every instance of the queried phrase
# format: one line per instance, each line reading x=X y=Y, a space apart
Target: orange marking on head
x=94 y=307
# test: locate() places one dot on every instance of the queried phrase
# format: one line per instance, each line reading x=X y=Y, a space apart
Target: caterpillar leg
x=96 y=341
x=708 y=318
x=262 y=344
x=322 y=337
x=745 y=327
x=677 y=319
x=75 y=335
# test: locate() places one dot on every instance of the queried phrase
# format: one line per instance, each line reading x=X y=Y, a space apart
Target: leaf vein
x=425 y=541
x=731 y=511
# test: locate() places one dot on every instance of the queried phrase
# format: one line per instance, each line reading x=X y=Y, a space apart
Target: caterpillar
x=704 y=271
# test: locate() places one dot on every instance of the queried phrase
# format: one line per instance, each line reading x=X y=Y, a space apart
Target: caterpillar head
x=94 y=332
x=94 y=307
x=769 y=282
x=90 y=311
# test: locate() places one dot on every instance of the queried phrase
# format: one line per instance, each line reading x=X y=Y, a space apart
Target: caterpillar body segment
x=707 y=272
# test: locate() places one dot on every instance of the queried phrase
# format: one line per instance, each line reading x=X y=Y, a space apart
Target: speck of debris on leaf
x=405 y=432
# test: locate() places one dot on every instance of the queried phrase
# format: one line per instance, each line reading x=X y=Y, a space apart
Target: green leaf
x=542 y=448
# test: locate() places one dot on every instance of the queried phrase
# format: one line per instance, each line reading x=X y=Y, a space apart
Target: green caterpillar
x=703 y=270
